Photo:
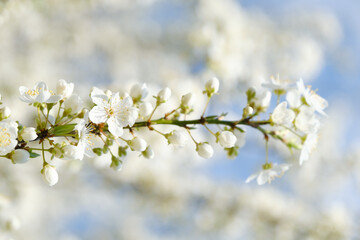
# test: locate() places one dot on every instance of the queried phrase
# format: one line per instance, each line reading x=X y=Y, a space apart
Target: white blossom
x=164 y=95
x=50 y=175
x=116 y=112
x=8 y=136
x=177 y=138
x=139 y=92
x=145 y=109
x=39 y=94
x=226 y=139
x=308 y=146
x=282 y=115
x=64 y=88
x=86 y=139
x=311 y=98
x=137 y=144
x=277 y=84
x=212 y=86
x=268 y=173
x=75 y=103
x=20 y=156
x=306 y=121
x=28 y=134
x=204 y=150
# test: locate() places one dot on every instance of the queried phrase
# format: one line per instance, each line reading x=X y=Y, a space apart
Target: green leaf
x=34 y=155
x=62 y=130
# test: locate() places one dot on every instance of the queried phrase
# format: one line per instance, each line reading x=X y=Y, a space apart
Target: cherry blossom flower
x=306 y=121
x=39 y=94
x=113 y=110
x=311 y=98
x=8 y=135
x=268 y=173
x=277 y=84
x=87 y=139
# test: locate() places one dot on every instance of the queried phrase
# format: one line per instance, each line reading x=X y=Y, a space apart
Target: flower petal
x=99 y=97
x=115 y=127
x=98 y=115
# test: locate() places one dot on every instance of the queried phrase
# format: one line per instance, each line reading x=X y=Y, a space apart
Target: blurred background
x=181 y=44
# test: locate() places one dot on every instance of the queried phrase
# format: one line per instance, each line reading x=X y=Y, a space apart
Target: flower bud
x=5 y=112
x=262 y=100
x=28 y=134
x=187 y=99
x=137 y=144
x=164 y=95
x=65 y=89
x=75 y=103
x=204 y=150
x=282 y=115
x=226 y=139
x=20 y=156
x=138 y=92
x=146 y=109
x=50 y=175
x=148 y=153
x=70 y=152
x=212 y=86
x=247 y=111
x=176 y=137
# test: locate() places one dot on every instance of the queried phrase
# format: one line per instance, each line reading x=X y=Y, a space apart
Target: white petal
x=115 y=99
x=115 y=127
x=43 y=96
x=98 y=115
x=252 y=177
x=263 y=177
x=23 y=90
x=98 y=96
x=54 y=99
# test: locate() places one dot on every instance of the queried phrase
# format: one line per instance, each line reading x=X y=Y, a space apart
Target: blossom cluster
x=69 y=130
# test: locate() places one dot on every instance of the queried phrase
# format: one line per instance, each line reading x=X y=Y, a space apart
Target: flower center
x=110 y=111
x=33 y=92
x=5 y=137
